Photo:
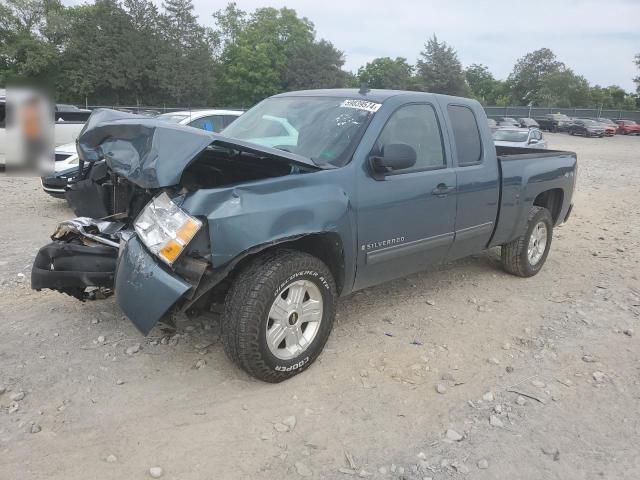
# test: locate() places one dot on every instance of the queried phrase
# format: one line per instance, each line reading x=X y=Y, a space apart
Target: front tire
x=278 y=314
x=526 y=255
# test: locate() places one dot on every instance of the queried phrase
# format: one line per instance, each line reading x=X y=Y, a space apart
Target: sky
x=596 y=38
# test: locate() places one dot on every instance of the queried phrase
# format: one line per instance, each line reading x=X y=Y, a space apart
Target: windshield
x=171 y=117
x=590 y=123
x=510 y=136
x=629 y=122
x=323 y=129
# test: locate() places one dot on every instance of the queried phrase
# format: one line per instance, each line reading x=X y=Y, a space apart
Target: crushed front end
x=132 y=235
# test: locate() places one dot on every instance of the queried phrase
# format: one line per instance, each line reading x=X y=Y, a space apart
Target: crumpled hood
x=153 y=153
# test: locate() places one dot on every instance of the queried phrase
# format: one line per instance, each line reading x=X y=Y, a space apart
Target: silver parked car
x=519 y=137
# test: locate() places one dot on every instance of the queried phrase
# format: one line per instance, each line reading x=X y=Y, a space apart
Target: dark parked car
x=508 y=122
x=586 y=127
x=528 y=123
x=628 y=127
x=554 y=122
x=369 y=186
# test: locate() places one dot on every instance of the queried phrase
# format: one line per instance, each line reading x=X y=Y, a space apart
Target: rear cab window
x=466 y=135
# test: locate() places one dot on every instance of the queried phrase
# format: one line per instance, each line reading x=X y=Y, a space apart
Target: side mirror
x=395 y=156
x=533 y=141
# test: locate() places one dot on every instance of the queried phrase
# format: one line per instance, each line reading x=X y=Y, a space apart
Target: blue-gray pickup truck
x=306 y=197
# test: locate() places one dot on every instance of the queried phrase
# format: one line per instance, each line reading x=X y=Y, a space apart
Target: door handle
x=442 y=190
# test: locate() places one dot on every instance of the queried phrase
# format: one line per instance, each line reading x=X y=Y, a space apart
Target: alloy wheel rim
x=537 y=243
x=294 y=319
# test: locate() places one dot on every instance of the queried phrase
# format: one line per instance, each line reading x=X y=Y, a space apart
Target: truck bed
x=515 y=153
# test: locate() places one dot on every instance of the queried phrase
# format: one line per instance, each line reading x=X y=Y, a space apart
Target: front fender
x=243 y=217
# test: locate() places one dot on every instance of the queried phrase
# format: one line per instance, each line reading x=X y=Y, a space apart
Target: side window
x=210 y=124
x=466 y=135
x=417 y=126
x=2 y=115
x=228 y=120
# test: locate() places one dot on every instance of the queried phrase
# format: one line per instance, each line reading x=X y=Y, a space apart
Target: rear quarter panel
x=524 y=177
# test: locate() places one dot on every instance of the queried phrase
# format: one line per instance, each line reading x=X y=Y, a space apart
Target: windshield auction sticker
x=361 y=105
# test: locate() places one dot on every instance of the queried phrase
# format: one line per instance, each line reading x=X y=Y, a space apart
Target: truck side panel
x=524 y=177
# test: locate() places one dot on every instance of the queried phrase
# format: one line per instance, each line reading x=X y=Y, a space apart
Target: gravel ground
x=540 y=377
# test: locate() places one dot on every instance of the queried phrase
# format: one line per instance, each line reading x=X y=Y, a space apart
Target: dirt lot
x=564 y=340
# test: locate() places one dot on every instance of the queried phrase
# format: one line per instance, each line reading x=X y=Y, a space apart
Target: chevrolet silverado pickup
x=307 y=197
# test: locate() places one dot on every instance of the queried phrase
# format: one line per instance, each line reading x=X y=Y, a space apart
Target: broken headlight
x=165 y=228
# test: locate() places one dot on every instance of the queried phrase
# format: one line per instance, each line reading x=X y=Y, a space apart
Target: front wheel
x=526 y=255
x=278 y=314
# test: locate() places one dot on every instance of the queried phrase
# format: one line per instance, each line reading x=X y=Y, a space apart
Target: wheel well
x=326 y=246
x=552 y=201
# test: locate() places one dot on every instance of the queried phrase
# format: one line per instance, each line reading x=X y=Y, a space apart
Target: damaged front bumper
x=87 y=254
x=145 y=291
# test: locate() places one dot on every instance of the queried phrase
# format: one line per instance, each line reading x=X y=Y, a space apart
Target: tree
x=99 y=58
x=314 y=65
x=564 y=88
x=385 y=72
x=484 y=87
x=271 y=51
x=440 y=71
x=185 y=64
x=526 y=79
x=27 y=52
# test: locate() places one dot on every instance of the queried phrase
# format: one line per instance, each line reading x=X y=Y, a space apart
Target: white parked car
x=519 y=137
x=210 y=120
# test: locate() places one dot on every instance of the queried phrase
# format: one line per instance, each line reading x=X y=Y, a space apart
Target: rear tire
x=526 y=255
x=278 y=314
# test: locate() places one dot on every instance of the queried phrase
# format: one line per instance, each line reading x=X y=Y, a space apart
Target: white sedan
x=210 y=120
x=519 y=137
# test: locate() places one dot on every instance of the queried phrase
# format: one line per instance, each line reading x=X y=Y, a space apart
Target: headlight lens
x=165 y=228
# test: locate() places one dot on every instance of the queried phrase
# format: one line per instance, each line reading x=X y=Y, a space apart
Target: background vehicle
x=586 y=127
x=628 y=127
x=209 y=120
x=609 y=130
x=379 y=185
x=554 y=122
x=508 y=122
x=493 y=125
x=64 y=171
x=528 y=123
x=519 y=137
x=608 y=123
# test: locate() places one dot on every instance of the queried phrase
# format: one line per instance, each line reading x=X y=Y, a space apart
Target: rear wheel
x=526 y=255
x=278 y=314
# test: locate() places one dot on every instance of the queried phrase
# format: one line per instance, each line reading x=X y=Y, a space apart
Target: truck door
x=406 y=217
x=478 y=177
